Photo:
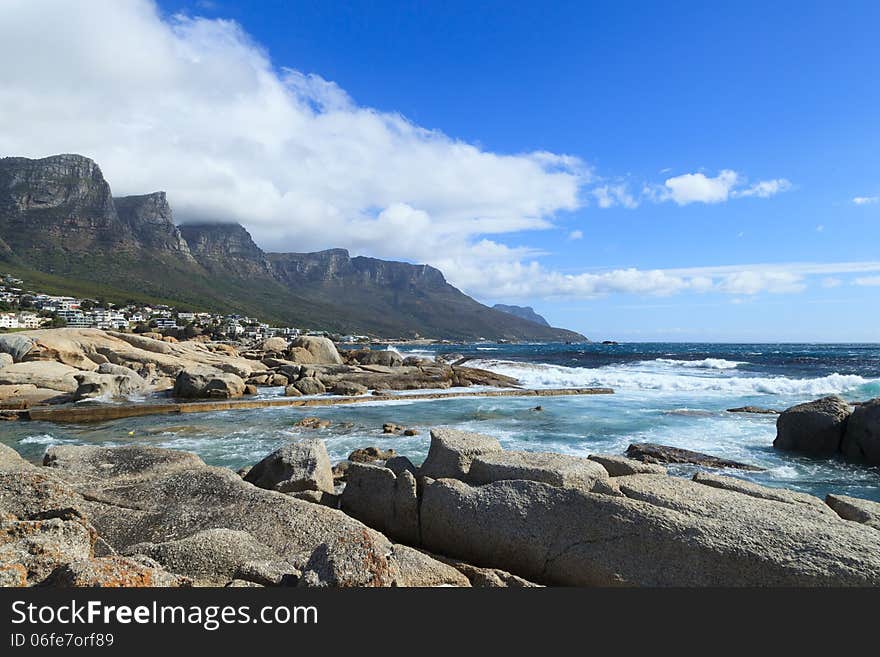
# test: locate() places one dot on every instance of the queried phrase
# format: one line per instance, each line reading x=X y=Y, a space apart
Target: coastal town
x=26 y=309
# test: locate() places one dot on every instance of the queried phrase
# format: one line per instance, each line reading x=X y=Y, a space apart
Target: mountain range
x=62 y=229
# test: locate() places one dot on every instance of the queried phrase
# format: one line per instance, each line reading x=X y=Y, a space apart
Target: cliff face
x=226 y=249
x=58 y=204
x=523 y=312
x=149 y=218
x=58 y=217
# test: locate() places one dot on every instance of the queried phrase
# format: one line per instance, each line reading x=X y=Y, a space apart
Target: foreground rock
x=695 y=535
x=650 y=453
x=298 y=466
x=816 y=428
x=139 y=498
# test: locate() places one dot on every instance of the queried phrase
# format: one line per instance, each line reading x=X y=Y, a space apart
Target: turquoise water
x=669 y=394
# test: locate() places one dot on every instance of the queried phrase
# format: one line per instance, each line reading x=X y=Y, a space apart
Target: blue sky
x=729 y=143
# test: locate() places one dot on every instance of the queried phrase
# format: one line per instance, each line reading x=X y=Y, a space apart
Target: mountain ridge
x=60 y=222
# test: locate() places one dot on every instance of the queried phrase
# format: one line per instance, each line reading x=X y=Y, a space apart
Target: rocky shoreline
x=61 y=366
x=473 y=514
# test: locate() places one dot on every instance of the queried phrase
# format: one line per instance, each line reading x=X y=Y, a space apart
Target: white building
x=8 y=320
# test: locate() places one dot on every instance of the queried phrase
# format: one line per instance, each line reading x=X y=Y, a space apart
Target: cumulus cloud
x=195 y=107
x=865 y=200
x=576 y=235
x=699 y=188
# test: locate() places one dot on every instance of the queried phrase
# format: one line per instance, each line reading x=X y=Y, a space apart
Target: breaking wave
x=645 y=376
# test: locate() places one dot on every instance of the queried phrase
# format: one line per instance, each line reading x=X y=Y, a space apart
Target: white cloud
x=698 y=188
x=831 y=282
x=576 y=235
x=765 y=188
x=524 y=280
x=608 y=196
x=195 y=107
x=865 y=200
x=868 y=281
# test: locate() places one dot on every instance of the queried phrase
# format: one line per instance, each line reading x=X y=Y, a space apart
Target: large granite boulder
x=5 y=359
x=375 y=357
x=274 y=345
x=553 y=469
x=349 y=389
x=695 y=535
x=861 y=441
x=383 y=500
x=452 y=452
x=298 y=466
x=816 y=428
x=205 y=384
x=42 y=374
x=310 y=386
x=109 y=385
x=323 y=350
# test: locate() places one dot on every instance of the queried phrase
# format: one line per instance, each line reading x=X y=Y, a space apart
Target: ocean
x=671 y=394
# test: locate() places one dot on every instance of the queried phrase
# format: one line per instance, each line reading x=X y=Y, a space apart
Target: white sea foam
x=706 y=363
x=647 y=377
x=41 y=439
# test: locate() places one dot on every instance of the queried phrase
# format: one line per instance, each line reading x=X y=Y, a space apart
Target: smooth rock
x=861 y=441
x=814 y=428
x=452 y=451
x=201 y=384
x=297 y=466
x=310 y=386
x=349 y=389
x=323 y=350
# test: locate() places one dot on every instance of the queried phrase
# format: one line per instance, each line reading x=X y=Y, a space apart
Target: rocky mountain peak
x=150 y=219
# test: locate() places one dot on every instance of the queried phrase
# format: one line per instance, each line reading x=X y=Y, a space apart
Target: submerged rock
x=650 y=453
